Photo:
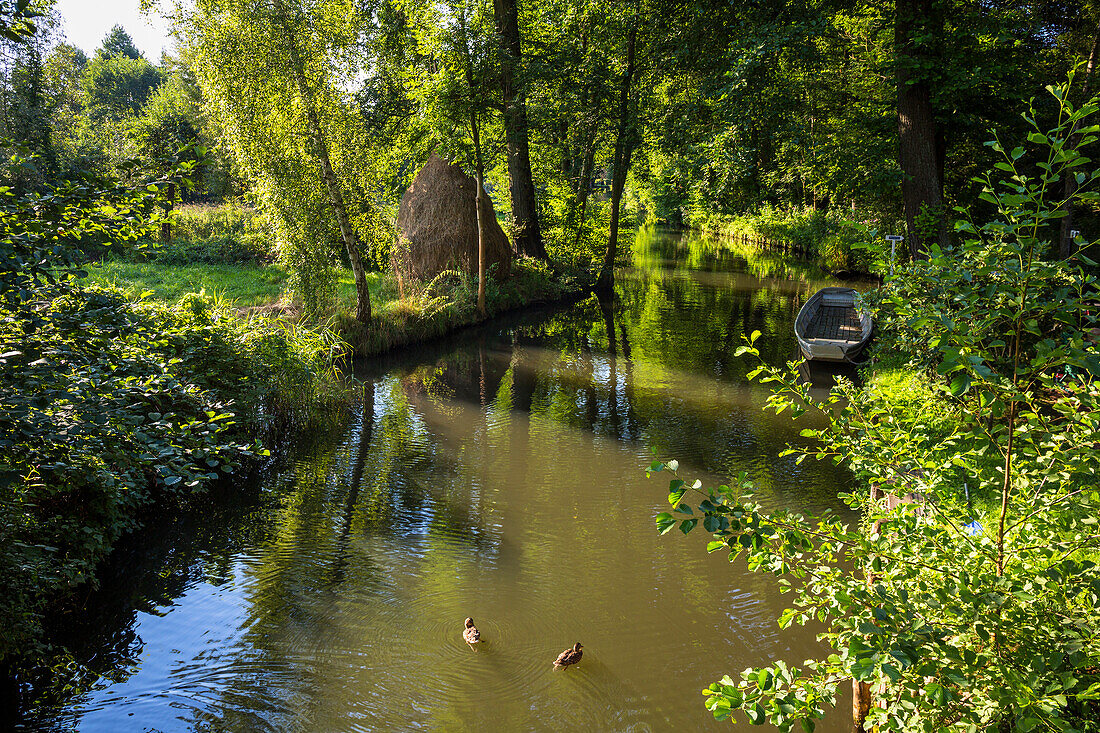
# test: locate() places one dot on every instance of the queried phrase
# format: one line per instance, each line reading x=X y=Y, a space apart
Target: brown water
x=499 y=475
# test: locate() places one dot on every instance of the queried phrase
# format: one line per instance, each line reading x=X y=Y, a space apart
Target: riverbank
x=423 y=313
x=112 y=408
x=449 y=306
x=833 y=238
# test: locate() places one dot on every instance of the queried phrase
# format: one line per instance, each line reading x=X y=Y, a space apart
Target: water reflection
x=495 y=475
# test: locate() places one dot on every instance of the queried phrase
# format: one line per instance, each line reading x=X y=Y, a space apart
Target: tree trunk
x=624 y=147
x=1067 y=246
x=528 y=236
x=332 y=185
x=479 y=204
x=919 y=155
x=590 y=132
x=169 y=203
x=583 y=185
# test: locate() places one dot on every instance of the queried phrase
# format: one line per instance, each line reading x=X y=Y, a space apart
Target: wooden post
x=861 y=705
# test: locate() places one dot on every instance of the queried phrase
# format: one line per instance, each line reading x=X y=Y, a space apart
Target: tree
x=63 y=83
x=956 y=626
x=166 y=127
x=117 y=87
x=626 y=139
x=24 y=99
x=118 y=44
x=1065 y=239
x=250 y=61
x=526 y=233
x=918 y=29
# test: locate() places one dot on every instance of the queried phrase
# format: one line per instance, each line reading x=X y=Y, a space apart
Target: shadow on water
x=496 y=474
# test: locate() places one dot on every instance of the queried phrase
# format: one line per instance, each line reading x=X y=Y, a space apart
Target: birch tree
x=277 y=75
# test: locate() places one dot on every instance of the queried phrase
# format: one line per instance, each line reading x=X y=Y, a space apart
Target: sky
x=86 y=22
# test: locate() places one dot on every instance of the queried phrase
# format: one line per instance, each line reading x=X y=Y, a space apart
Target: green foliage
x=953 y=629
x=252 y=63
x=108 y=406
x=828 y=235
x=42 y=233
x=116 y=88
x=17 y=20
x=166 y=123
x=228 y=234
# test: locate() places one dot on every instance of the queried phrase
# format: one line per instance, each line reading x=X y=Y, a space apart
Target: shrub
x=108 y=406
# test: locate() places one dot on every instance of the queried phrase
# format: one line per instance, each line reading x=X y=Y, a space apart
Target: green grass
x=421 y=316
x=245 y=285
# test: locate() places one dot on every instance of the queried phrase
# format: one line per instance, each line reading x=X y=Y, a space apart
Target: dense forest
x=576 y=114
x=271 y=151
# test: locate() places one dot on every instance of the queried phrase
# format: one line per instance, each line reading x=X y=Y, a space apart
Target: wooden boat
x=830 y=327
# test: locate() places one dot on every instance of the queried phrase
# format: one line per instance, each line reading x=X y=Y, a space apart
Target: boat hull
x=832 y=327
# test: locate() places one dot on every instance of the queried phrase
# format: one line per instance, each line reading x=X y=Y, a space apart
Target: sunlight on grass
x=243 y=284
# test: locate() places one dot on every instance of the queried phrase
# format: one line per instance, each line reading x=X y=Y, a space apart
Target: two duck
x=472 y=636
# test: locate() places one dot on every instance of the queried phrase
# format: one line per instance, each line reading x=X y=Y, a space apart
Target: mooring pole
x=893 y=239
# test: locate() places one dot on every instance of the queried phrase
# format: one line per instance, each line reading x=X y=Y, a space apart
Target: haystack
x=437 y=226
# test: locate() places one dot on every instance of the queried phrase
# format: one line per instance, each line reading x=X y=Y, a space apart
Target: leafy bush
x=237 y=249
x=950 y=625
x=108 y=406
x=226 y=234
x=829 y=235
x=211 y=222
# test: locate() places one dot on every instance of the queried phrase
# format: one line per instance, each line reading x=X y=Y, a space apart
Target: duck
x=470 y=634
x=569 y=656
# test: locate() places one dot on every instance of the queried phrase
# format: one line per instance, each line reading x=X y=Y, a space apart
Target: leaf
x=676 y=491
x=960 y=384
x=665 y=522
x=687 y=525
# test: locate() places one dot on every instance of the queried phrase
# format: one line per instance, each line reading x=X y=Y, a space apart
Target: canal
x=499 y=475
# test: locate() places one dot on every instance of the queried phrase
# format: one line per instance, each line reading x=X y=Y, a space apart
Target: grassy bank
x=449 y=303
x=426 y=311
x=829 y=236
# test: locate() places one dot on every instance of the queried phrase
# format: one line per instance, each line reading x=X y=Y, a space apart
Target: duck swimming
x=470 y=634
x=569 y=656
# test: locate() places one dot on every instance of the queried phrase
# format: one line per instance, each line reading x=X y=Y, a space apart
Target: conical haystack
x=437 y=226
